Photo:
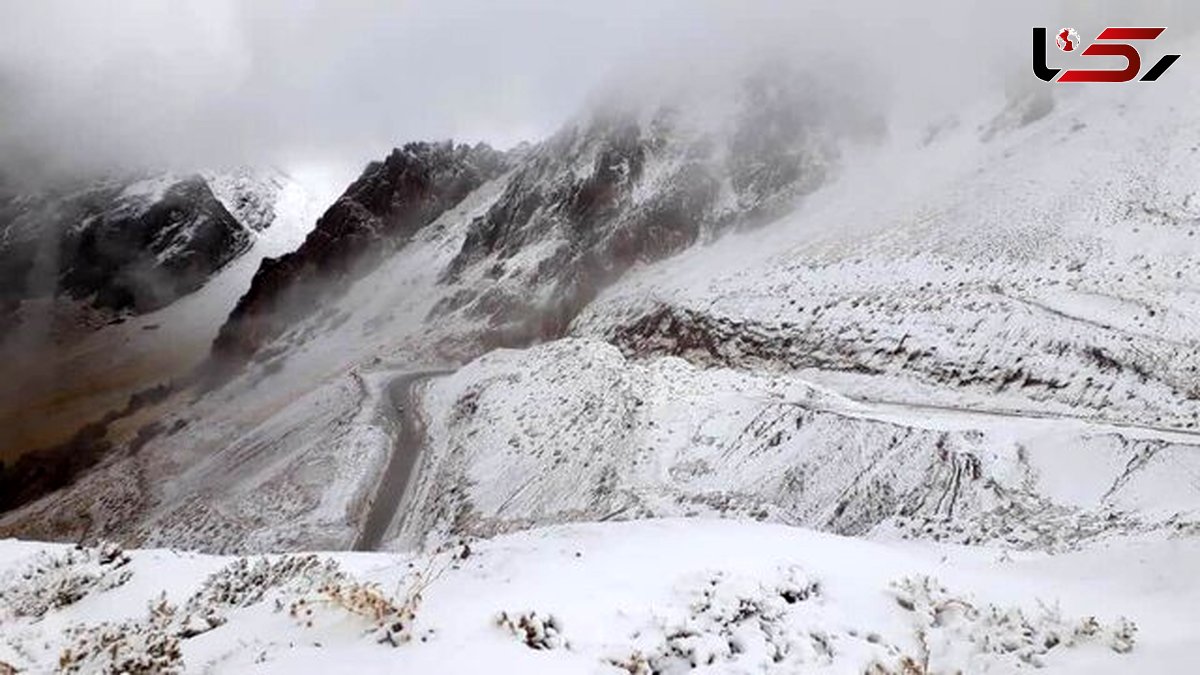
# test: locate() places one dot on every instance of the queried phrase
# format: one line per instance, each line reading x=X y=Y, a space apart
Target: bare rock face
x=115 y=245
x=378 y=213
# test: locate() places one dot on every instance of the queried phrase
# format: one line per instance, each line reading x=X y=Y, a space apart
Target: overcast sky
x=308 y=82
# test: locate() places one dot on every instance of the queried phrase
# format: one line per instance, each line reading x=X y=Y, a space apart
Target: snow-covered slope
x=968 y=343
x=665 y=596
x=285 y=455
x=994 y=346
x=58 y=384
x=573 y=431
x=975 y=329
x=1051 y=269
x=116 y=244
x=379 y=213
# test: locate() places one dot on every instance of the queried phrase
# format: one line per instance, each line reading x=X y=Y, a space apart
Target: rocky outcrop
x=116 y=245
x=379 y=212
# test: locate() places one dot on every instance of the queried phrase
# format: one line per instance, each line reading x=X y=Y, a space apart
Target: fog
x=325 y=86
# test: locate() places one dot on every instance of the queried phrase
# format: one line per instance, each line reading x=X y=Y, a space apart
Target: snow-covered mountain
x=624 y=184
x=72 y=365
x=379 y=213
x=981 y=284
x=115 y=244
x=129 y=244
x=969 y=336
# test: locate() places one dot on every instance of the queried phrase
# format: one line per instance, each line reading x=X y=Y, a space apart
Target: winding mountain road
x=399 y=405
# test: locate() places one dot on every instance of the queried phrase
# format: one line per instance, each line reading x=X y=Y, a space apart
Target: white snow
x=667 y=595
x=978 y=357
x=571 y=431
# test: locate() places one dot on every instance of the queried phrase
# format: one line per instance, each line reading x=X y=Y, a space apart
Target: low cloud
x=89 y=86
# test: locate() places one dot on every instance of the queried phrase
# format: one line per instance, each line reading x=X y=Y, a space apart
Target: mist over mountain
x=272 y=82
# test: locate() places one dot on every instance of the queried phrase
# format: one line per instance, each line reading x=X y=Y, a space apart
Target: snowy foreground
x=639 y=597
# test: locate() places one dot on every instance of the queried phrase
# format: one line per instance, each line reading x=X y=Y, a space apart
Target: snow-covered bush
x=735 y=622
x=390 y=619
x=537 y=632
x=152 y=644
x=955 y=634
x=245 y=582
x=313 y=583
x=57 y=579
x=137 y=647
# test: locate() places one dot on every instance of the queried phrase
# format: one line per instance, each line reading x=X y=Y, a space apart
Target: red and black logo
x=1110 y=42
